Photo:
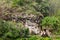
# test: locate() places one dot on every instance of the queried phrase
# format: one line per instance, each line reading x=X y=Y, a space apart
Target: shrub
x=34 y=37
x=10 y=30
x=50 y=22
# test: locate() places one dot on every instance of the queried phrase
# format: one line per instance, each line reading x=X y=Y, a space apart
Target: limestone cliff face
x=29 y=21
x=33 y=27
x=32 y=22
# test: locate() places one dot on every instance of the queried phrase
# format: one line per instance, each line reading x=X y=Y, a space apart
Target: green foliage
x=50 y=22
x=12 y=30
x=44 y=8
x=21 y=2
x=36 y=37
x=33 y=6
